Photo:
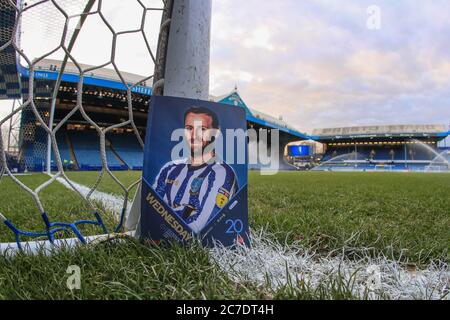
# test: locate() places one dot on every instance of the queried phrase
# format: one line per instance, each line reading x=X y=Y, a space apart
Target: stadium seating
x=420 y=153
x=336 y=152
x=129 y=149
x=378 y=153
x=13 y=163
x=378 y=157
x=124 y=152
x=34 y=148
x=64 y=151
x=382 y=154
x=86 y=145
x=361 y=166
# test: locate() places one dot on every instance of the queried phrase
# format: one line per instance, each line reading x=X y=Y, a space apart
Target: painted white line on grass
x=271 y=264
x=109 y=202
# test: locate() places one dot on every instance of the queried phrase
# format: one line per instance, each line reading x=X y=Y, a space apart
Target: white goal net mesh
x=81 y=40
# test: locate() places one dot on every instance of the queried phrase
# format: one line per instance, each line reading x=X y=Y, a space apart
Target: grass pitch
x=403 y=216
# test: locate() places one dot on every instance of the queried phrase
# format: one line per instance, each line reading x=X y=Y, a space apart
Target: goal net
x=82 y=73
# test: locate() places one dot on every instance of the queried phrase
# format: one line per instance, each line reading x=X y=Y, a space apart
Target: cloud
x=317 y=64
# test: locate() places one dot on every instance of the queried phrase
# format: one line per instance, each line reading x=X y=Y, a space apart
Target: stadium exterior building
x=384 y=147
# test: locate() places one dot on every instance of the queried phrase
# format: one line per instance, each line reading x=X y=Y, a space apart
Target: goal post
x=188 y=54
x=186 y=67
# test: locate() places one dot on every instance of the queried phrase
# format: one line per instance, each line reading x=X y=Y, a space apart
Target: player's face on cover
x=198 y=131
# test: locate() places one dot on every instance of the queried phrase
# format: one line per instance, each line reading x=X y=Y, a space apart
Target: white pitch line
x=109 y=202
x=271 y=264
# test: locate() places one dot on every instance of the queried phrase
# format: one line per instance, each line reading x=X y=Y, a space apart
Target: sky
x=316 y=63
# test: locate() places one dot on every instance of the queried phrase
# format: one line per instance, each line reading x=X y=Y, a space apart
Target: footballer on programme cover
x=188 y=189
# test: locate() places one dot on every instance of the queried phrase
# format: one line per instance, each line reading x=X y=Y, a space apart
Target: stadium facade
x=384 y=147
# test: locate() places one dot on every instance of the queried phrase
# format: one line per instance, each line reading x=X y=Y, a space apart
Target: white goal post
x=187 y=66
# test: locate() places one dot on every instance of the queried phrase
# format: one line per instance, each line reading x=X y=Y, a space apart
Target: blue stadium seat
x=86 y=145
x=129 y=149
x=64 y=151
x=381 y=157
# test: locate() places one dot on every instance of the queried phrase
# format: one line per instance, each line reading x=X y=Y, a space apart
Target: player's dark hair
x=203 y=110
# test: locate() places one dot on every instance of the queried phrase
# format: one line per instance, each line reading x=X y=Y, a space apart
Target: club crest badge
x=196 y=185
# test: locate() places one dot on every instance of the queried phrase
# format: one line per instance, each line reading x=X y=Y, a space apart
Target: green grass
x=107 y=184
x=60 y=204
x=404 y=216
x=135 y=271
x=401 y=215
x=126 y=271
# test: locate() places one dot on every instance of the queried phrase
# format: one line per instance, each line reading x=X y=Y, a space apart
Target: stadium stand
x=64 y=150
x=86 y=147
x=381 y=130
x=13 y=164
x=105 y=99
x=396 y=147
x=129 y=150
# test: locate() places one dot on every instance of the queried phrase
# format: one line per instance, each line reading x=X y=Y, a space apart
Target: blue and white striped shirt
x=196 y=194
